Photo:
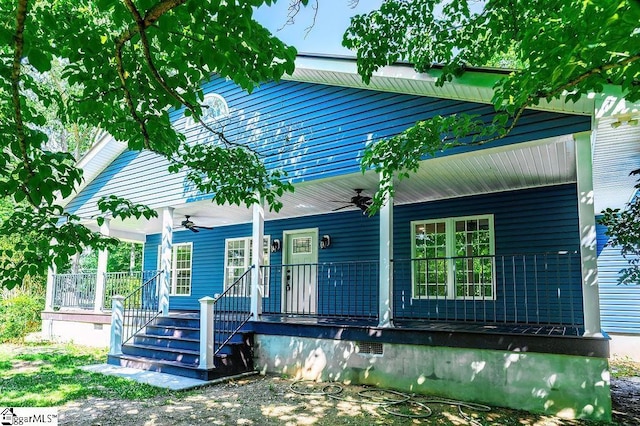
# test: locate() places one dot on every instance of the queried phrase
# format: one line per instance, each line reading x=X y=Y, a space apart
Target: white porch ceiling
x=539 y=163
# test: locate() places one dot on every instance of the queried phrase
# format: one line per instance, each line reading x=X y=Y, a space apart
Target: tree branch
x=598 y=70
x=142 y=23
x=16 y=69
x=146 y=47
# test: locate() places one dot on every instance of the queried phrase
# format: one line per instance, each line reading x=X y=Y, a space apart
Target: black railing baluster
x=515 y=290
x=231 y=311
x=140 y=310
x=526 y=290
x=569 y=275
x=535 y=268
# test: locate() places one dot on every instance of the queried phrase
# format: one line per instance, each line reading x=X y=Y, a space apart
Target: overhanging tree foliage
x=564 y=48
x=623 y=226
x=569 y=48
x=128 y=64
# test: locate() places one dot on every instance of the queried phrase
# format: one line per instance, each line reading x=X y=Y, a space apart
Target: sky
x=325 y=36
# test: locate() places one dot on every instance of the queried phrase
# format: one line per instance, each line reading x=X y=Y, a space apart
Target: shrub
x=20 y=316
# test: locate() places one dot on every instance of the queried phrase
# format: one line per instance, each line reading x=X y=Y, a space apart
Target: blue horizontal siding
x=312 y=131
x=526 y=222
x=345 y=228
x=619 y=304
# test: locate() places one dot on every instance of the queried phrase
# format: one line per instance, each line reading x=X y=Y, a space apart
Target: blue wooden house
x=480 y=272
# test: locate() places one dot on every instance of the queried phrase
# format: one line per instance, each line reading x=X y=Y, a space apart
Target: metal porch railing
x=231 y=311
x=124 y=283
x=333 y=290
x=74 y=291
x=530 y=289
x=140 y=307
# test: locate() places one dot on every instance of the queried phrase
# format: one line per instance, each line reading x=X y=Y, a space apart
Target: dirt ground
x=625 y=397
x=270 y=400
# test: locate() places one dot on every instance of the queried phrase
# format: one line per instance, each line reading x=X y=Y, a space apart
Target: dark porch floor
x=472 y=327
x=508 y=337
x=544 y=330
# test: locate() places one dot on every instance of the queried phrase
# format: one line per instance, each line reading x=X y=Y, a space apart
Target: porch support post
x=206 y=333
x=587 y=224
x=51 y=271
x=258 y=260
x=101 y=273
x=385 y=306
x=165 y=260
x=117 y=325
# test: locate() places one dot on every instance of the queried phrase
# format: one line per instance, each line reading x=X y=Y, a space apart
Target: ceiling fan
x=360 y=201
x=188 y=224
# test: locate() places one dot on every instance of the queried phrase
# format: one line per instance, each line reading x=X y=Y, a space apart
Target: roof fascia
x=483 y=80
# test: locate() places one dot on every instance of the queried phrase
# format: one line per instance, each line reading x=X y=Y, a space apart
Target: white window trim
x=247 y=258
x=174 y=276
x=207 y=101
x=450 y=248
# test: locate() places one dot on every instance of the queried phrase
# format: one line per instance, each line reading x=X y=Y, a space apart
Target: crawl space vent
x=369 y=348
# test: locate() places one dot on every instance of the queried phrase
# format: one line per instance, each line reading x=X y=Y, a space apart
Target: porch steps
x=172 y=344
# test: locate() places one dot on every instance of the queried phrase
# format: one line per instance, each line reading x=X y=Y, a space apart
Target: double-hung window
x=454 y=258
x=238 y=259
x=180 y=274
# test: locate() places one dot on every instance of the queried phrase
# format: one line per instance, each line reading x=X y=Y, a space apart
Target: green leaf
x=39 y=60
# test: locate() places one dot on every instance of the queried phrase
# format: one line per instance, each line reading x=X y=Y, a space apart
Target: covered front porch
x=391 y=285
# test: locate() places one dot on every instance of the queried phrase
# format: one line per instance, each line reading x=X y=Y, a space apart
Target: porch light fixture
x=325 y=242
x=275 y=245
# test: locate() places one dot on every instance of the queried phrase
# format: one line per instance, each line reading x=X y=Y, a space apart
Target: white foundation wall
x=80 y=333
x=625 y=346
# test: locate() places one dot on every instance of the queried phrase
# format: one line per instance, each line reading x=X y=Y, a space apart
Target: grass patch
x=49 y=375
x=624 y=367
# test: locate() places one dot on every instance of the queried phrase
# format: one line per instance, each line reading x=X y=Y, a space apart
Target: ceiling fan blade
x=203 y=227
x=193 y=229
x=343 y=207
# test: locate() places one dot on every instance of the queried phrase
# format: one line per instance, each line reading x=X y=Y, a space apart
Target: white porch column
x=47 y=324
x=103 y=256
x=206 y=333
x=258 y=260
x=165 y=260
x=48 y=301
x=117 y=325
x=587 y=224
x=385 y=306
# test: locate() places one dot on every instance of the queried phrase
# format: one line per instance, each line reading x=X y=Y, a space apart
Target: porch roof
x=538 y=163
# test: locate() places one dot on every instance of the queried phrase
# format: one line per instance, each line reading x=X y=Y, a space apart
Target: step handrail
x=141 y=306
x=231 y=311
